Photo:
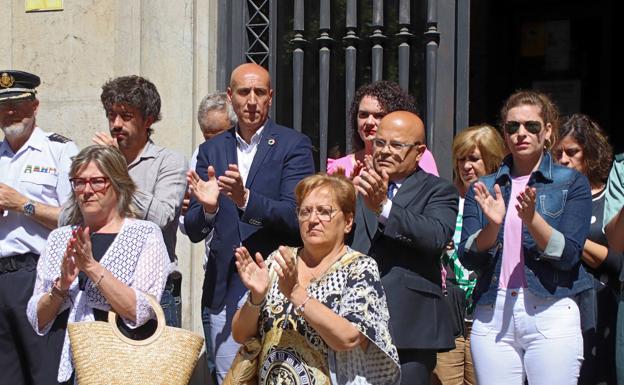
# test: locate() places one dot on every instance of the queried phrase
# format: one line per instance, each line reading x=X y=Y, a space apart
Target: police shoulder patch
x=619 y=157
x=58 y=138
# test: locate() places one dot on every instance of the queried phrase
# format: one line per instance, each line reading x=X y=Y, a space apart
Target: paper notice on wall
x=44 y=5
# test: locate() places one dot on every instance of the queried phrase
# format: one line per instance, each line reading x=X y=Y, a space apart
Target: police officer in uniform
x=34 y=182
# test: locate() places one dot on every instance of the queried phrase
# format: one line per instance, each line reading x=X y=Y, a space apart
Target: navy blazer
x=283 y=158
x=408 y=249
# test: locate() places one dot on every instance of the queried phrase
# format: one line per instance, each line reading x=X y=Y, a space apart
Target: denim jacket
x=564 y=201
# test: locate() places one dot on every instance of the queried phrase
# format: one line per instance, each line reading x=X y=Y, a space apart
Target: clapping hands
x=526 y=204
x=253 y=274
x=372 y=185
x=206 y=192
x=78 y=257
x=493 y=206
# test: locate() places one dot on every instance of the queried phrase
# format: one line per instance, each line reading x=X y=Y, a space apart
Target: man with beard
x=34 y=182
x=132 y=105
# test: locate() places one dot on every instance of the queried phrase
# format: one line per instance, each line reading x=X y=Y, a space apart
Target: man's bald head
x=399 y=144
x=407 y=122
x=250 y=69
x=251 y=96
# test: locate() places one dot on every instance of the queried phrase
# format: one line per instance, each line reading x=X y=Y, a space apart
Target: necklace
x=316 y=277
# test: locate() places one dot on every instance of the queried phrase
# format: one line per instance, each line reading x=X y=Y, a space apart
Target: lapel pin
x=271 y=141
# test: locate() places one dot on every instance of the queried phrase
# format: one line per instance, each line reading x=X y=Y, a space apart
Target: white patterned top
x=294 y=353
x=137 y=257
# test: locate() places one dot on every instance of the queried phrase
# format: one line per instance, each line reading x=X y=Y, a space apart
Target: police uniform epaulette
x=619 y=157
x=58 y=138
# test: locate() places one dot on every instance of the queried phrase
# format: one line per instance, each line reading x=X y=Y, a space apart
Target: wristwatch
x=29 y=208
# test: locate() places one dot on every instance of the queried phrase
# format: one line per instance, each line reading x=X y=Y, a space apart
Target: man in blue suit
x=243 y=189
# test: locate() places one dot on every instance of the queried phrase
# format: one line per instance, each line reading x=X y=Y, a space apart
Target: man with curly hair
x=132 y=106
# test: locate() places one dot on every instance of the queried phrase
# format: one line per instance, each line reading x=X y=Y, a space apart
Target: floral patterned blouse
x=293 y=353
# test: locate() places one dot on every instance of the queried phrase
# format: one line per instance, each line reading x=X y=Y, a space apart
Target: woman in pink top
x=371 y=103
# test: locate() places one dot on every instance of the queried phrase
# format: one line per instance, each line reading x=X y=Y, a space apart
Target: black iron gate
x=319 y=51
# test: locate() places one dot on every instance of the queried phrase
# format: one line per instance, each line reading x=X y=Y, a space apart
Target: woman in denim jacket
x=526 y=322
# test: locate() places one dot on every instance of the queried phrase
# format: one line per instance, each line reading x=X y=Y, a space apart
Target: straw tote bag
x=103 y=355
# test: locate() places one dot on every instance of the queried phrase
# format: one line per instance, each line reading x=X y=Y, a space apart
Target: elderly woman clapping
x=106 y=260
x=320 y=311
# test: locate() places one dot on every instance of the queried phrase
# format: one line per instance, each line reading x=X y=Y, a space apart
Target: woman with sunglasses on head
x=106 y=261
x=319 y=311
x=523 y=233
x=584 y=147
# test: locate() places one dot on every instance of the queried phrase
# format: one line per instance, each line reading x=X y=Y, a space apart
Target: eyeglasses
x=97 y=183
x=394 y=145
x=323 y=212
x=532 y=126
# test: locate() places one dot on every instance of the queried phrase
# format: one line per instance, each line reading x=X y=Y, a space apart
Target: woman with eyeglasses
x=106 y=261
x=319 y=311
x=370 y=104
x=523 y=233
x=584 y=147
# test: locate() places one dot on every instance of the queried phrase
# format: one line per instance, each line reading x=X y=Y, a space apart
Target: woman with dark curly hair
x=584 y=147
x=370 y=104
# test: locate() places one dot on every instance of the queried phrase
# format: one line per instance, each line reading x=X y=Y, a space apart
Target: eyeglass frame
x=88 y=181
x=392 y=143
x=511 y=127
x=318 y=214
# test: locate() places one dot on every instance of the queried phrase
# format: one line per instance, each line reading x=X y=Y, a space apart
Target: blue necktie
x=391 y=190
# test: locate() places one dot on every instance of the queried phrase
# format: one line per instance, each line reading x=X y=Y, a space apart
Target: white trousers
x=523 y=336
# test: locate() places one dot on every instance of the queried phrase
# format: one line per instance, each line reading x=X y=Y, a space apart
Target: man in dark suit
x=243 y=189
x=404 y=219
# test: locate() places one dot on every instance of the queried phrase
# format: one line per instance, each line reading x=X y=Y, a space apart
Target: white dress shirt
x=245 y=153
x=385 y=209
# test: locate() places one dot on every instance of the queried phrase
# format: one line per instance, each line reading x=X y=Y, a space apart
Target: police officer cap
x=17 y=85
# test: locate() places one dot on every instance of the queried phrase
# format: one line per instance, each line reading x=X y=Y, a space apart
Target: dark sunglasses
x=532 y=126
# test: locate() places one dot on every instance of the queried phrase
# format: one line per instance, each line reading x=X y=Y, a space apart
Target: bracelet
x=301 y=308
x=97 y=284
x=57 y=292
x=253 y=305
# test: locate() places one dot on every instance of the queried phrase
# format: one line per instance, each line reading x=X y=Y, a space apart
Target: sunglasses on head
x=532 y=126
